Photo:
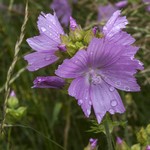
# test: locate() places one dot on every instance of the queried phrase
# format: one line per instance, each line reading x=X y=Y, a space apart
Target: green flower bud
x=88 y=36
x=13 y=102
x=77 y=34
x=142 y=136
x=136 y=147
x=148 y=129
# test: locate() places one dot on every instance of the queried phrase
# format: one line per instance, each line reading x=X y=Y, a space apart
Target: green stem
x=108 y=135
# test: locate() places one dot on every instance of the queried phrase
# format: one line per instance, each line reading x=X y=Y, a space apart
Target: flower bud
x=13 y=101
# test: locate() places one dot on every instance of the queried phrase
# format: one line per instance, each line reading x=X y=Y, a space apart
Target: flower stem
x=108 y=135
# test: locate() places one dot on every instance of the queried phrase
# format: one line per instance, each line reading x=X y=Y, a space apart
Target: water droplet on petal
x=43 y=29
x=127 y=88
x=132 y=58
x=90 y=103
x=113 y=103
x=47 y=58
x=111 y=111
x=140 y=63
x=111 y=88
x=99 y=118
x=118 y=83
x=80 y=102
x=36 y=68
x=30 y=63
x=88 y=112
x=39 y=80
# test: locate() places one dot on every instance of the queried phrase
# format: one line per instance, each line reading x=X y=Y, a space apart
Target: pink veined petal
x=39 y=60
x=122 y=38
x=103 y=53
x=74 y=67
x=49 y=25
x=114 y=24
x=42 y=43
x=105 y=98
x=79 y=89
x=121 y=73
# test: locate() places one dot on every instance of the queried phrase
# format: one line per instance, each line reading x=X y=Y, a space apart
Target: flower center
x=94 y=77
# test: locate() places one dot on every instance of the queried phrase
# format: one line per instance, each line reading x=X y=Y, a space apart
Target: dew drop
x=39 y=80
x=111 y=111
x=113 y=103
x=43 y=29
x=30 y=63
x=47 y=58
x=90 y=103
x=80 y=102
x=132 y=58
x=99 y=118
x=88 y=112
x=140 y=63
x=111 y=88
x=118 y=83
x=36 y=68
x=127 y=88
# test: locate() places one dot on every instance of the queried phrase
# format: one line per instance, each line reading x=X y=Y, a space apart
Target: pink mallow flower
x=45 y=44
x=105 y=66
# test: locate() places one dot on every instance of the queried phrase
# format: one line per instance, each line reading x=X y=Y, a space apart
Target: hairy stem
x=108 y=135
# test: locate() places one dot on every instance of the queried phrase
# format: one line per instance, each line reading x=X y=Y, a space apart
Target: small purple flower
x=93 y=143
x=148 y=147
x=121 y=4
x=119 y=140
x=73 y=24
x=148 y=2
x=105 y=12
x=63 y=10
x=46 y=44
x=49 y=82
x=12 y=94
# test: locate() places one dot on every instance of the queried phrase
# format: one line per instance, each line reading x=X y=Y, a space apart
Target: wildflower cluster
x=95 y=63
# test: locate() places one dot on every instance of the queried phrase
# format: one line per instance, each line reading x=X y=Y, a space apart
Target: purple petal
x=93 y=143
x=39 y=60
x=105 y=12
x=114 y=25
x=121 y=73
x=73 y=24
x=12 y=94
x=42 y=43
x=148 y=147
x=122 y=38
x=49 y=82
x=119 y=140
x=102 y=53
x=49 y=25
x=105 y=98
x=74 y=67
x=79 y=89
x=121 y=4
